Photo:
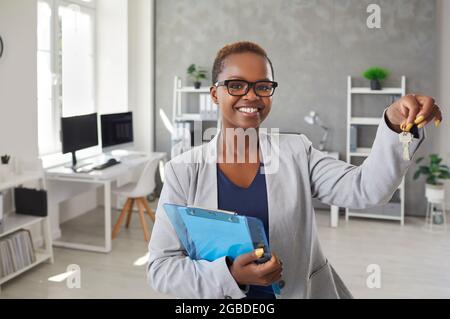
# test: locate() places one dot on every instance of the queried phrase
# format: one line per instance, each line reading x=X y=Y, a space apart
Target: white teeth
x=248 y=109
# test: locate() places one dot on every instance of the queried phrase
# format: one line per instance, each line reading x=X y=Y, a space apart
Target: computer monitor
x=78 y=132
x=117 y=129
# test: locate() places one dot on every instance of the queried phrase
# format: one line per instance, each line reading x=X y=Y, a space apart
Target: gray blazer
x=295 y=173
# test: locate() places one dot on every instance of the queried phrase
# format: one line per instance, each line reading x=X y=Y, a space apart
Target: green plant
x=376 y=73
x=196 y=73
x=434 y=170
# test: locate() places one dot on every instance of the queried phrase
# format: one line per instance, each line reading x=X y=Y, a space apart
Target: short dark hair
x=233 y=48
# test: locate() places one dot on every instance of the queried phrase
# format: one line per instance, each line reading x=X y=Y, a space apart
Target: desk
x=64 y=177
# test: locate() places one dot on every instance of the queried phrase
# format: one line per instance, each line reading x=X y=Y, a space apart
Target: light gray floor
x=414 y=262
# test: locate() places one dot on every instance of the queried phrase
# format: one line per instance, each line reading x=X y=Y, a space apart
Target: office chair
x=136 y=192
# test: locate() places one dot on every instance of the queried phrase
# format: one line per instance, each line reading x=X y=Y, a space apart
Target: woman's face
x=244 y=66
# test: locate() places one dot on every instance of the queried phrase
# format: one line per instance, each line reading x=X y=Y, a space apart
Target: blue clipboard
x=211 y=234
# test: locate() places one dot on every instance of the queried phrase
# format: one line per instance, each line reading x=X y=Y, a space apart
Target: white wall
x=112 y=56
x=141 y=48
x=444 y=83
x=18 y=79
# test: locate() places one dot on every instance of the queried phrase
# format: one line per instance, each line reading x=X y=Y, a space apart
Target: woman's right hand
x=246 y=272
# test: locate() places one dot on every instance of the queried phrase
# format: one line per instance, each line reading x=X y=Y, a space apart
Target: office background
x=314 y=46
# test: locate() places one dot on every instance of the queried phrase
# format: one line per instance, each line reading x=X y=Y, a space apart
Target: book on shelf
x=16 y=252
x=208 y=110
x=353 y=138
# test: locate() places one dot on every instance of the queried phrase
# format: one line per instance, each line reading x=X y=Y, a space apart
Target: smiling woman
x=243 y=88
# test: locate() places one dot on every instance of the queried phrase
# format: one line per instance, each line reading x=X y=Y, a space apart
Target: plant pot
x=375 y=85
x=438 y=219
x=5 y=171
x=434 y=193
x=197 y=85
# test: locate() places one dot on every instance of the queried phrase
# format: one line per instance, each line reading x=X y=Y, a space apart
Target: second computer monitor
x=117 y=129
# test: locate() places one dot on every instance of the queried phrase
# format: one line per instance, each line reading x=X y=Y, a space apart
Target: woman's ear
x=213 y=93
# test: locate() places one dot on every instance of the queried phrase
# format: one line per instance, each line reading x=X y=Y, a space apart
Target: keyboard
x=107 y=164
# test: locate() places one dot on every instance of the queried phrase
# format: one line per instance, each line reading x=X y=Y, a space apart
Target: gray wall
x=314 y=45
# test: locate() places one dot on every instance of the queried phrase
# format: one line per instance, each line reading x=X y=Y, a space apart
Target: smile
x=248 y=110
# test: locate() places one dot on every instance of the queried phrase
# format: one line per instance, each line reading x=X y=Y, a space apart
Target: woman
x=275 y=180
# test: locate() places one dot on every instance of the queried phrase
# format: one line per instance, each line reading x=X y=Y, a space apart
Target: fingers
x=267 y=276
x=269 y=267
x=428 y=107
x=411 y=107
x=435 y=115
x=438 y=118
x=248 y=258
x=419 y=110
x=273 y=277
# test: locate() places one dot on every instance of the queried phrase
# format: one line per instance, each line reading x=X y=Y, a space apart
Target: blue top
x=251 y=201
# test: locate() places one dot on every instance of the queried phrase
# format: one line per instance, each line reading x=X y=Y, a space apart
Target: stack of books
x=16 y=252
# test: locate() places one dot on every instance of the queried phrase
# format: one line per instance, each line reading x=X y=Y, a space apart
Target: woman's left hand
x=413 y=109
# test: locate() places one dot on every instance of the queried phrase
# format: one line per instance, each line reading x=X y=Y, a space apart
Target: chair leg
x=143 y=222
x=148 y=209
x=116 y=229
x=130 y=212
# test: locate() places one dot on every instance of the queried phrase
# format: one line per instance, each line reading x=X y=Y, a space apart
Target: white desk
x=63 y=177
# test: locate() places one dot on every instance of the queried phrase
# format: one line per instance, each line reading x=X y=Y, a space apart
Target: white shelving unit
x=178 y=113
x=13 y=222
x=178 y=109
x=385 y=212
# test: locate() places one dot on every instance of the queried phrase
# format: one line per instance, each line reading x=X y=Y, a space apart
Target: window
x=66 y=66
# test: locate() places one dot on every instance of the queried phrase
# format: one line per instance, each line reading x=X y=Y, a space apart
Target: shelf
x=40 y=258
x=361 y=152
x=193 y=117
x=374 y=216
x=390 y=211
x=13 y=222
x=365 y=121
x=189 y=117
x=191 y=89
x=394 y=210
x=17 y=180
x=387 y=91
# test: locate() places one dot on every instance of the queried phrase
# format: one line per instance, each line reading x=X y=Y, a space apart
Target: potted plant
x=197 y=75
x=434 y=172
x=376 y=75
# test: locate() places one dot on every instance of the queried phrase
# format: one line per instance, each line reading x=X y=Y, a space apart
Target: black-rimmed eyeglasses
x=241 y=87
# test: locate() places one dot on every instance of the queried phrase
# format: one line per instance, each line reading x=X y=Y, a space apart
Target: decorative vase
x=375 y=85
x=434 y=193
x=197 y=85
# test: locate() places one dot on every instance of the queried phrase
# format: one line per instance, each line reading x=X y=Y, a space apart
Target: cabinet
x=13 y=222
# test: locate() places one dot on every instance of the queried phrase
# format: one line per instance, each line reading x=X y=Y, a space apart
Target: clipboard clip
x=218 y=214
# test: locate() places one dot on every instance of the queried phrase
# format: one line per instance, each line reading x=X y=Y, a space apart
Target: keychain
x=406 y=139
